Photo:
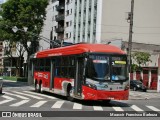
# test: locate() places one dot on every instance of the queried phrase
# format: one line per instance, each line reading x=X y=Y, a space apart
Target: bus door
x=52 y=73
x=79 y=76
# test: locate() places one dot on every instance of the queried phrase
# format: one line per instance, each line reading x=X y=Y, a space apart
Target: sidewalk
x=138 y=95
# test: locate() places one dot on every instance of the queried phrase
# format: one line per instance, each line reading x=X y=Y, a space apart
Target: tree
x=141 y=58
x=23 y=13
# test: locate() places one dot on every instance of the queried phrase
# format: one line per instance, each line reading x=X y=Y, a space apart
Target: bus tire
x=69 y=97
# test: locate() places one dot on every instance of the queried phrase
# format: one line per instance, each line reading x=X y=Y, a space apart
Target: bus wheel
x=36 y=87
x=69 y=90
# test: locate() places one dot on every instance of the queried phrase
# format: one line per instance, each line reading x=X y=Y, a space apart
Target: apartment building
x=74 y=20
x=99 y=21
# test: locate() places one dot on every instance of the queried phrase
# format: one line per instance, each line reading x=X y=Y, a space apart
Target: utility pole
x=130 y=20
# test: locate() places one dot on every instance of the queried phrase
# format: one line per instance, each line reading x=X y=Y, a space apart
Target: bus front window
x=119 y=68
x=97 y=67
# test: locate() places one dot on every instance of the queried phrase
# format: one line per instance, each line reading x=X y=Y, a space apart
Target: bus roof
x=78 y=49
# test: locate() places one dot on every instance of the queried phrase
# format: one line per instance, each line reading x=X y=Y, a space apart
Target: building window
x=67 y=24
x=67 y=36
x=67 y=12
x=70 y=23
x=67 y=2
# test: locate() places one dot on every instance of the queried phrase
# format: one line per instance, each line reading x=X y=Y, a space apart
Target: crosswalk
x=37 y=100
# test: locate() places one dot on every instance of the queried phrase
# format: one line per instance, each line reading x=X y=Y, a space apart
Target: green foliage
x=18 y=79
x=23 y=13
x=22 y=79
x=10 y=78
x=141 y=58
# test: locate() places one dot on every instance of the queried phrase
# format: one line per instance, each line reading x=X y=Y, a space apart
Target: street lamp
x=15 y=29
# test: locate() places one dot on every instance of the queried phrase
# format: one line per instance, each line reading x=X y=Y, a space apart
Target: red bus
x=82 y=71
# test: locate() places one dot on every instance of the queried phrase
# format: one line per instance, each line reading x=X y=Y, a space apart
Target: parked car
x=1 y=84
x=137 y=85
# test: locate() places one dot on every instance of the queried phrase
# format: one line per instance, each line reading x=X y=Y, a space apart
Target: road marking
x=136 y=108
x=117 y=108
x=19 y=103
x=19 y=96
x=153 y=108
x=58 y=104
x=77 y=106
x=98 y=108
x=33 y=96
x=38 y=104
x=7 y=97
x=51 y=97
x=5 y=101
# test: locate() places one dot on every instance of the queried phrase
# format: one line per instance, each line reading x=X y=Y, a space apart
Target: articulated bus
x=82 y=71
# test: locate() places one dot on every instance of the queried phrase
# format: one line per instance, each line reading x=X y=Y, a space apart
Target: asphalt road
x=21 y=97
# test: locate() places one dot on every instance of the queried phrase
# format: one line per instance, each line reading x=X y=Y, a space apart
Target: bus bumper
x=91 y=94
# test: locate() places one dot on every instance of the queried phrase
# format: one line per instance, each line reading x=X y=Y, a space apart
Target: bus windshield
x=98 y=67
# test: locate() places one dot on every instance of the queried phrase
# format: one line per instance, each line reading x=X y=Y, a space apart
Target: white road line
x=77 y=106
x=5 y=101
x=19 y=96
x=19 y=103
x=33 y=96
x=153 y=108
x=136 y=108
x=7 y=97
x=58 y=104
x=38 y=104
x=51 y=97
x=117 y=108
x=98 y=108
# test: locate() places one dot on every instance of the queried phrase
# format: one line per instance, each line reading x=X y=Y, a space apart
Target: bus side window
x=41 y=64
x=47 y=64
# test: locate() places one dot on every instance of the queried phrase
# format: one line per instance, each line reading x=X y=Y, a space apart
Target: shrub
x=22 y=79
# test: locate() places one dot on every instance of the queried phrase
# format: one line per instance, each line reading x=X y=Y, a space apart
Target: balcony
x=59 y=17
x=60 y=7
x=60 y=30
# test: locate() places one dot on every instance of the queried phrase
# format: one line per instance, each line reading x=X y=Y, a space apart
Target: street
x=21 y=97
